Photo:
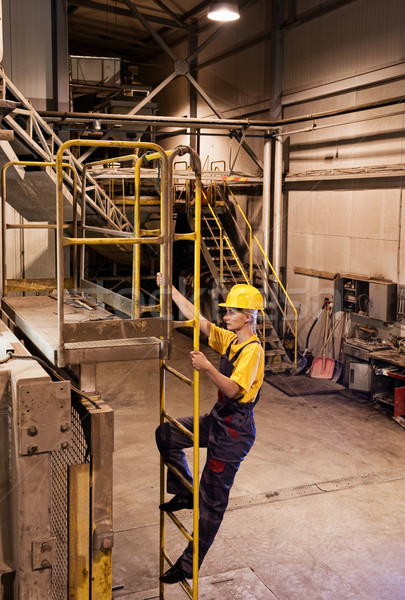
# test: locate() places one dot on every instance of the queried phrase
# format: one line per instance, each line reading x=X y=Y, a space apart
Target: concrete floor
x=316 y=511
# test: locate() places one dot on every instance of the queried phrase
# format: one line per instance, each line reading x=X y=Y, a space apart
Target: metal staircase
x=32 y=189
x=228 y=268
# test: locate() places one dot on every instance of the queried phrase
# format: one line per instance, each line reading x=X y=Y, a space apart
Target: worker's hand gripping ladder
x=191 y=591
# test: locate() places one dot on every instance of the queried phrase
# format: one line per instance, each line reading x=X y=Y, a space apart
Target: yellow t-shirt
x=248 y=368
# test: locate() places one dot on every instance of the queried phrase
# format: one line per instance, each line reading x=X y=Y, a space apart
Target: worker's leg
x=216 y=482
x=230 y=440
x=171 y=443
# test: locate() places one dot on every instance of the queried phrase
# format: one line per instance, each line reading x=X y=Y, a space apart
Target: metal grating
x=77 y=453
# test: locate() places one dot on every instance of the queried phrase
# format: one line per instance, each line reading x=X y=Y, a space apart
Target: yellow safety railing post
x=136 y=258
x=61 y=241
x=32 y=163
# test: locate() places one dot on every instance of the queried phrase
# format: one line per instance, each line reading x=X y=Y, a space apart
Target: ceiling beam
x=97 y=6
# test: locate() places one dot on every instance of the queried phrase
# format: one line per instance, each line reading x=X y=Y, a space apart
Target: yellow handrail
x=295 y=330
x=61 y=241
x=34 y=163
x=221 y=250
x=250 y=234
x=252 y=238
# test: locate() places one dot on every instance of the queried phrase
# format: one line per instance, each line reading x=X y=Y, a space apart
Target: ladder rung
x=181 y=477
x=180 y=526
x=183 y=429
x=178 y=374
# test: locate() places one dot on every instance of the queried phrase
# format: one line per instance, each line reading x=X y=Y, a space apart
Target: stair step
x=277 y=367
x=275 y=352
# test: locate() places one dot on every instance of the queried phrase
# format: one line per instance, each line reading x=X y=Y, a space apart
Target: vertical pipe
x=162 y=481
x=266 y=205
x=75 y=229
x=278 y=205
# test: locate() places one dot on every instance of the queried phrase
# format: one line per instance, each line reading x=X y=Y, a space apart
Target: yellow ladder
x=191 y=591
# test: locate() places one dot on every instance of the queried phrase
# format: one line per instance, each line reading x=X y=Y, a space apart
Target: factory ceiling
x=127 y=28
x=144 y=36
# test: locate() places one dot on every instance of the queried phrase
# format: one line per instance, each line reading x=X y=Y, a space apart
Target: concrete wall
x=350 y=56
x=36 y=52
x=347 y=58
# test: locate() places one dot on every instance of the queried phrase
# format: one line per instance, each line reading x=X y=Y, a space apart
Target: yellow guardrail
x=33 y=163
x=250 y=244
x=225 y=238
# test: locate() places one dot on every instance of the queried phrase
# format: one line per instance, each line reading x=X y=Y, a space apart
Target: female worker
x=228 y=431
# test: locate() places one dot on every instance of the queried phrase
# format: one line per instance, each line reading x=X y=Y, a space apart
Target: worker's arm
x=186 y=307
x=225 y=384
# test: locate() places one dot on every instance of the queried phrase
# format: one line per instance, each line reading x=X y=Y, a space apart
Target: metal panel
x=354 y=39
x=5 y=530
x=30 y=25
x=399 y=402
x=44 y=416
x=360 y=377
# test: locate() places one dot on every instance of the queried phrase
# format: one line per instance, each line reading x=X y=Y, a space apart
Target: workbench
x=385 y=367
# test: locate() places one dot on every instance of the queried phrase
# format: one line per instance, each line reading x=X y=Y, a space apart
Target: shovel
x=323 y=367
x=303 y=362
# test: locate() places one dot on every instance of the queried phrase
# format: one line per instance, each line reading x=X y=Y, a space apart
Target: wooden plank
x=316 y=273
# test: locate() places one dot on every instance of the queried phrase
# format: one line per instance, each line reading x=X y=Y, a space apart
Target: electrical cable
x=48 y=368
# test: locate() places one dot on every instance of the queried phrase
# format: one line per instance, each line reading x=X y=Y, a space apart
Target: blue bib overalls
x=228 y=433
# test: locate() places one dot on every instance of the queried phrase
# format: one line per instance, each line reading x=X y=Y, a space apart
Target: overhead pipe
x=254 y=125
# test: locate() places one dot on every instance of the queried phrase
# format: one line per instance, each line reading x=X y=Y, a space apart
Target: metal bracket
x=43 y=553
x=103 y=536
x=44 y=416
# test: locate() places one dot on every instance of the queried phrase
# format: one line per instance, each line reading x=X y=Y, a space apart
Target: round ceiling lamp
x=223 y=11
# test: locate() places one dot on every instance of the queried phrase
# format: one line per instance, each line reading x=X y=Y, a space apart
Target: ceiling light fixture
x=223 y=11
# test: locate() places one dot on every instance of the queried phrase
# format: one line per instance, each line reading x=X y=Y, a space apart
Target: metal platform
x=91 y=335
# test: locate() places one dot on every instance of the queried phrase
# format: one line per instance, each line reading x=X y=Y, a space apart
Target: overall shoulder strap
x=240 y=350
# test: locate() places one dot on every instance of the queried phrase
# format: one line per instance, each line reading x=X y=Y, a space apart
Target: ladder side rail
x=195 y=323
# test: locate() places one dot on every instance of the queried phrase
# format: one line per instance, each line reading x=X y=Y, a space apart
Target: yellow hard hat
x=244 y=296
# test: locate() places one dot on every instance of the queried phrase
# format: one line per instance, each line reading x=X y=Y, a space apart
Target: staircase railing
x=253 y=265
x=33 y=132
x=224 y=238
